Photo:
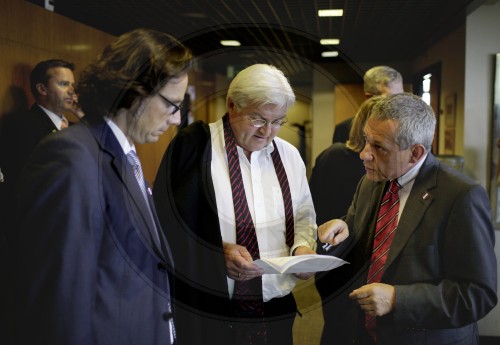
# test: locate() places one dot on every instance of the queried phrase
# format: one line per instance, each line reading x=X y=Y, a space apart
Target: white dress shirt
x=406 y=182
x=56 y=119
x=265 y=202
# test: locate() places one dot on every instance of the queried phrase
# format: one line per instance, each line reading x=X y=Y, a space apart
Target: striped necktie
x=387 y=222
x=133 y=159
x=247 y=295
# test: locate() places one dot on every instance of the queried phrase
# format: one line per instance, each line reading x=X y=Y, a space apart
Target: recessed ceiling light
x=330 y=54
x=331 y=13
x=329 y=41
x=197 y=15
x=230 y=43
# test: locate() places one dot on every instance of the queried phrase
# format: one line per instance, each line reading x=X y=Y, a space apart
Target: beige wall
x=482 y=42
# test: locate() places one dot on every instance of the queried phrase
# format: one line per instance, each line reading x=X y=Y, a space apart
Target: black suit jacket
x=441 y=262
x=19 y=135
x=341 y=131
x=185 y=200
x=20 y=132
x=87 y=268
x=333 y=181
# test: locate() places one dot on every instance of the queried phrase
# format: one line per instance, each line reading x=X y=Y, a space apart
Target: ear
x=417 y=152
x=230 y=105
x=41 y=89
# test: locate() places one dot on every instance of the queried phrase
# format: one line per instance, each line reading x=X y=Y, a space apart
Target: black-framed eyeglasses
x=259 y=122
x=172 y=104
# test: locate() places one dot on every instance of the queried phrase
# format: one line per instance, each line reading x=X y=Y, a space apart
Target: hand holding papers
x=299 y=264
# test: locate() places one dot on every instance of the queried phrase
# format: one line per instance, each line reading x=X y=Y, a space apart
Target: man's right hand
x=239 y=263
x=333 y=232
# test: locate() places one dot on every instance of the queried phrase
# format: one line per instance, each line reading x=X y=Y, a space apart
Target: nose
x=366 y=154
x=266 y=129
x=174 y=119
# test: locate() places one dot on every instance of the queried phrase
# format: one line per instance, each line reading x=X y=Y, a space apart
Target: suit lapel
x=42 y=118
x=125 y=173
x=419 y=200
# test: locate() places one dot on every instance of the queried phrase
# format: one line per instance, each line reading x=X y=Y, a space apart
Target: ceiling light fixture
x=330 y=54
x=230 y=43
x=331 y=13
x=329 y=41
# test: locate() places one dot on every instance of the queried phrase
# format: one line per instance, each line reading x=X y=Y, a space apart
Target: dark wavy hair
x=137 y=64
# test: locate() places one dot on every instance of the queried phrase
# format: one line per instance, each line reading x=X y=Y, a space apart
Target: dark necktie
x=387 y=222
x=247 y=294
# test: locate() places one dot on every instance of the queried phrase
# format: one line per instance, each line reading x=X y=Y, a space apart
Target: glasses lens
x=278 y=123
x=257 y=122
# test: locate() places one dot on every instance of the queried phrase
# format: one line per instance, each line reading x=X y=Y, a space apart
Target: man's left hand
x=375 y=299
x=302 y=251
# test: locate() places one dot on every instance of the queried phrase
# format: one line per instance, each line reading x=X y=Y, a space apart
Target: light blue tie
x=133 y=159
x=139 y=176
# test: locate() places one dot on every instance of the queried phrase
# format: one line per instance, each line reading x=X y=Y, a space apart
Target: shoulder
x=71 y=147
x=336 y=151
x=197 y=131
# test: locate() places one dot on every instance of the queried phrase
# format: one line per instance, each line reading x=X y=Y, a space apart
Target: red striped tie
x=287 y=197
x=387 y=221
x=248 y=294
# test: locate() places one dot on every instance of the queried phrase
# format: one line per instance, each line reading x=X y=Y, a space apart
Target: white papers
x=299 y=264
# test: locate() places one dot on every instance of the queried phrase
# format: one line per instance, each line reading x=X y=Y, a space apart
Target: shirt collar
x=55 y=118
x=412 y=173
x=120 y=136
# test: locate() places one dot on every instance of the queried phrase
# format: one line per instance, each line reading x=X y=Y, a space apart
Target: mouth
x=258 y=137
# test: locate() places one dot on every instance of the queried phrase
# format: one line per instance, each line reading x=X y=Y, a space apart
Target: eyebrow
x=263 y=118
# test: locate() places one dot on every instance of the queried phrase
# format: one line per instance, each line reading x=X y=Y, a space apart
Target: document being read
x=299 y=264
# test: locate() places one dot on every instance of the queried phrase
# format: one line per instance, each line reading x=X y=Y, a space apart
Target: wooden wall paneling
x=31 y=34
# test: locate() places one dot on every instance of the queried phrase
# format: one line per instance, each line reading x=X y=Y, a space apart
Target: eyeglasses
x=172 y=104
x=259 y=122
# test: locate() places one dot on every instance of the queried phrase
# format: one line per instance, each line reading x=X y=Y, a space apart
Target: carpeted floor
x=307 y=329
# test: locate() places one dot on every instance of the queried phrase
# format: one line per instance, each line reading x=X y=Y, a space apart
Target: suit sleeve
x=57 y=239
x=462 y=259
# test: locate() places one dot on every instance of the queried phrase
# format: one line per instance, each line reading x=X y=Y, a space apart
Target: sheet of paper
x=299 y=264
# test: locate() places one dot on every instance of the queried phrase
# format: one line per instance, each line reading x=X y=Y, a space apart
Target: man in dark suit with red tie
x=421 y=248
x=92 y=263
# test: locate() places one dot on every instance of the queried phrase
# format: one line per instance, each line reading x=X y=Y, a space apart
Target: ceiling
x=283 y=32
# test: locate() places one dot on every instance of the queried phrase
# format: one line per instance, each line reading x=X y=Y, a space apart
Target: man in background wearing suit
x=422 y=263
x=91 y=259
x=53 y=87
x=378 y=80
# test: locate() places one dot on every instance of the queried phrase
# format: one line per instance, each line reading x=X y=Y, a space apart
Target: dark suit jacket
x=19 y=134
x=341 y=131
x=185 y=200
x=333 y=183
x=441 y=262
x=88 y=271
